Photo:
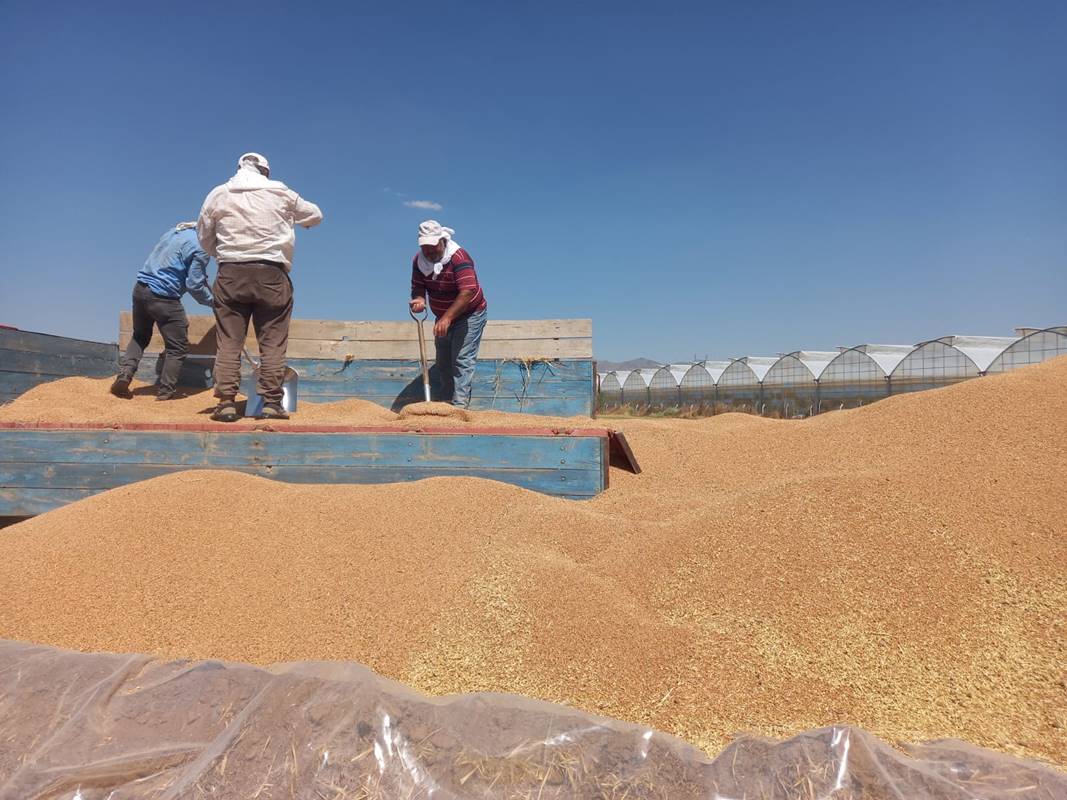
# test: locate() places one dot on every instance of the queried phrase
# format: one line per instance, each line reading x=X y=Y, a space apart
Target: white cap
x=255 y=159
x=431 y=232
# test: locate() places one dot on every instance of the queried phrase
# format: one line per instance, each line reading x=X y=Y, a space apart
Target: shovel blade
x=290 y=391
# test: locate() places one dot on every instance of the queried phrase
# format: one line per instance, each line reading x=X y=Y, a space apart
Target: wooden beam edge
x=222 y=427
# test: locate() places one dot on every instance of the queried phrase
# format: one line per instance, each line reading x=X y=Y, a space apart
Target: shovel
x=422 y=351
x=255 y=402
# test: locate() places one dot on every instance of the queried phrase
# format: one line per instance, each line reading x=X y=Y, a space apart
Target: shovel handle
x=422 y=350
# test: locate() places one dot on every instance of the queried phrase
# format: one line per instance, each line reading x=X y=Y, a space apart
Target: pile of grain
x=87 y=400
x=443 y=410
x=902 y=567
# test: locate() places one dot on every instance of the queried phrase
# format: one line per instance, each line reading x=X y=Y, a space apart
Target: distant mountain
x=633 y=363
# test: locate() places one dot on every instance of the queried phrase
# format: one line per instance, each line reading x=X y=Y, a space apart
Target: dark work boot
x=121 y=388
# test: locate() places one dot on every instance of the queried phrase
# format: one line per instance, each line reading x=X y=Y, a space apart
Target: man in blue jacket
x=176 y=265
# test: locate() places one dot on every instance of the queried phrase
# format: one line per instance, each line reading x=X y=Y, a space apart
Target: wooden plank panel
x=341 y=372
x=15 y=383
x=313 y=392
x=42 y=469
x=489 y=348
x=562 y=388
x=31 y=342
x=485 y=380
x=58 y=364
x=201 y=325
x=490 y=373
x=565 y=406
x=263 y=448
x=221 y=428
x=385 y=369
x=389 y=330
x=200 y=343
x=204 y=326
x=566 y=338
x=23 y=502
x=340 y=350
x=548 y=406
x=585 y=481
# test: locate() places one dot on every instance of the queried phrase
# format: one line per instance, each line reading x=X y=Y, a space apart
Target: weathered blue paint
x=208 y=448
x=12 y=384
x=562 y=388
x=24 y=502
x=31 y=342
x=54 y=364
x=100 y=477
x=42 y=469
x=28 y=359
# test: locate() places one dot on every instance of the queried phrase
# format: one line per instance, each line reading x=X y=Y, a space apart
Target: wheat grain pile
x=87 y=400
x=902 y=567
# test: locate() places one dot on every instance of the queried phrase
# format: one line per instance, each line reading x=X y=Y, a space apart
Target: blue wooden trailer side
x=550 y=386
x=563 y=387
x=28 y=359
x=44 y=467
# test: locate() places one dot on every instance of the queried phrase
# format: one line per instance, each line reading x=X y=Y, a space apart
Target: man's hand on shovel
x=440 y=328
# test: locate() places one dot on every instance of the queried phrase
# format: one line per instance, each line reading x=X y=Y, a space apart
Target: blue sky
x=703 y=179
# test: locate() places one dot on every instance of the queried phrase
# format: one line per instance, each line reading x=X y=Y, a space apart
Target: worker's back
x=251 y=218
x=166 y=271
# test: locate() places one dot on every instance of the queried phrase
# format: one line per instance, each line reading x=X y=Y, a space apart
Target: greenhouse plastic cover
x=816 y=361
x=759 y=365
x=886 y=356
x=678 y=371
x=715 y=369
x=982 y=350
x=77 y=726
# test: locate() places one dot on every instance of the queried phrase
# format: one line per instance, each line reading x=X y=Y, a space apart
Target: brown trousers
x=260 y=291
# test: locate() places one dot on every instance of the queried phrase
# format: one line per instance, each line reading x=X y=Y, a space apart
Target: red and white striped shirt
x=457 y=276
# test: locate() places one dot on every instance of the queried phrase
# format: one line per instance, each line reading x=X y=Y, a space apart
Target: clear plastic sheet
x=77 y=726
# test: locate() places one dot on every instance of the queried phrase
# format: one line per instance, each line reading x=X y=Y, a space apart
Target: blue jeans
x=457 y=354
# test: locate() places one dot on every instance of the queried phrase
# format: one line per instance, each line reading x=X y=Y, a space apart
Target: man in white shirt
x=247 y=225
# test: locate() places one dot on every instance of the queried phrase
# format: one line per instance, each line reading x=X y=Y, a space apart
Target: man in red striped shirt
x=444 y=271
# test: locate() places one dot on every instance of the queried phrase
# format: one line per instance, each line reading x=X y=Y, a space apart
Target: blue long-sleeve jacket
x=178 y=264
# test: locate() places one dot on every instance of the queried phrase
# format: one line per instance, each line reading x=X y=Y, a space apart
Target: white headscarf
x=431 y=232
x=248 y=178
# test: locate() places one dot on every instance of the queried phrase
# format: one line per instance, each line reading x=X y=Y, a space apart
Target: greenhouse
x=1033 y=347
x=620 y=377
x=932 y=365
x=790 y=387
x=740 y=387
x=982 y=350
x=635 y=386
x=859 y=375
x=664 y=387
x=610 y=389
x=807 y=382
x=697 y=386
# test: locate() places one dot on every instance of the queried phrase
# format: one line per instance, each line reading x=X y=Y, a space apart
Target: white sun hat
x=431 y=232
